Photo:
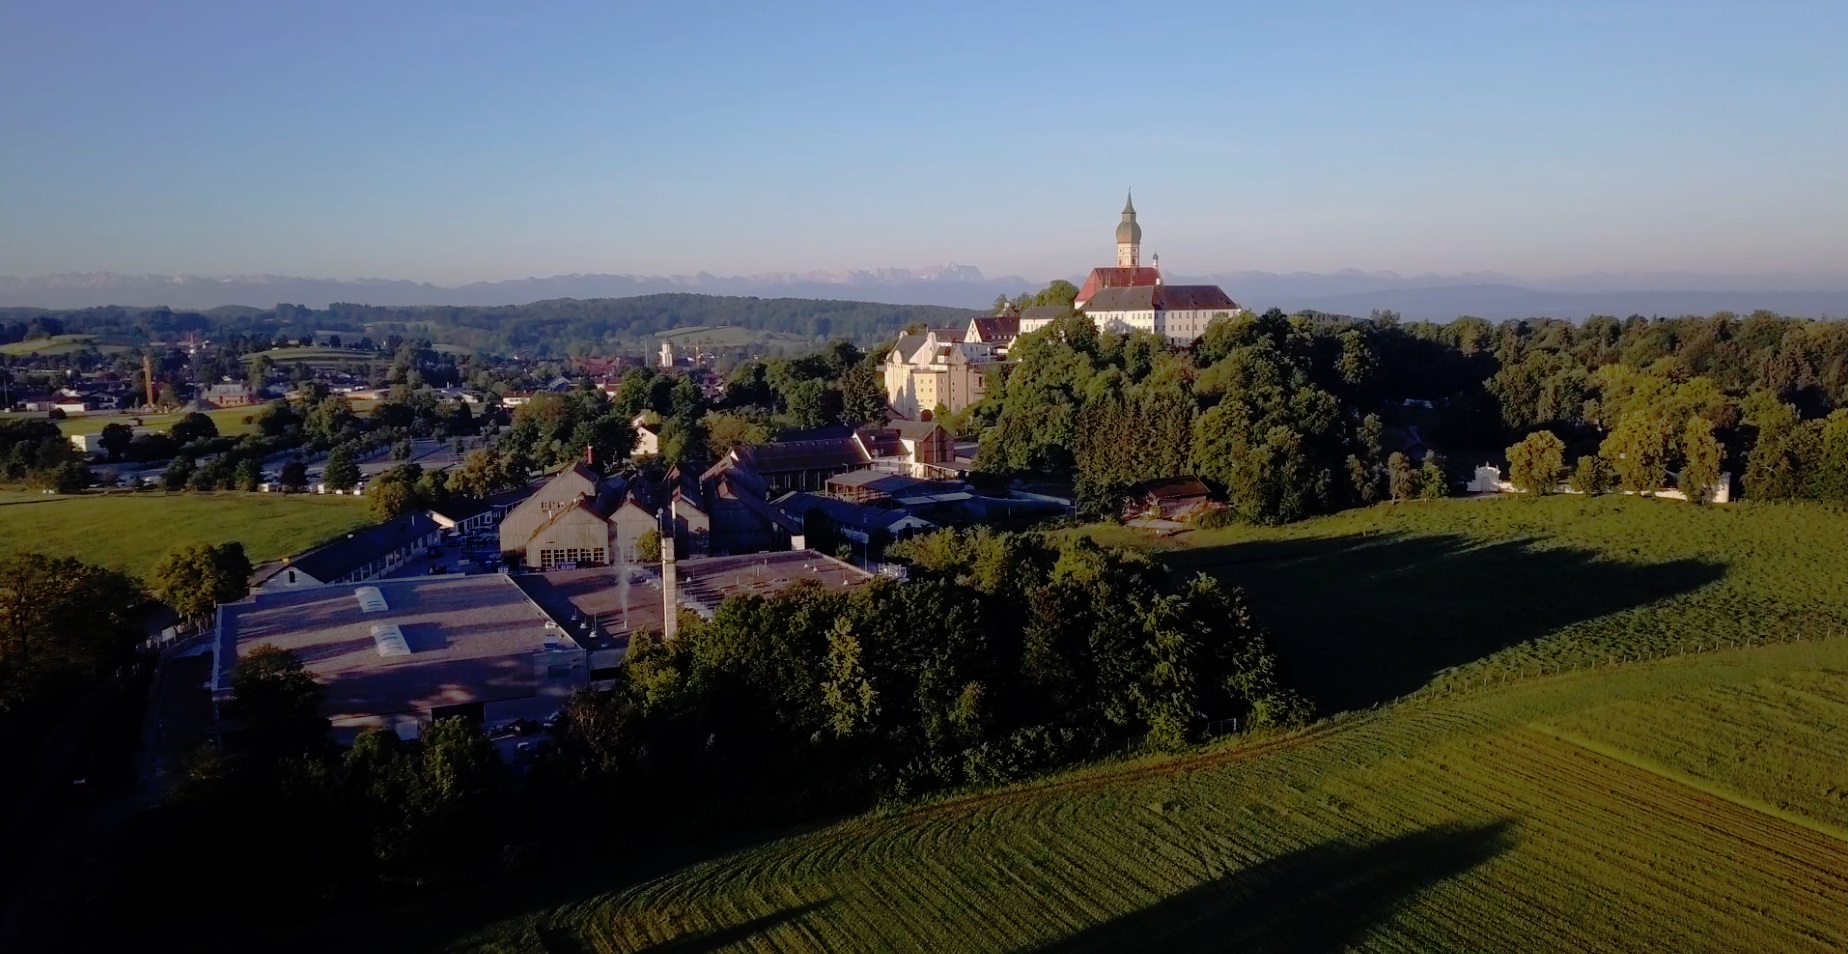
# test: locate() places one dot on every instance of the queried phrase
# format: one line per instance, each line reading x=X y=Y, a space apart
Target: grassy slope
x=1372 y=604
x=132 y=531
x=230 y=420
x=1690 y=802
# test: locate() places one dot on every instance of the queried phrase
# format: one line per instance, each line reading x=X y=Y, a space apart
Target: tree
x=1401 y=480
x=66 y=478
x=194 y=579
x=863 y=397
x=1432 y=482
x=193 y=427
x=1537 y=463
x=115 y=439
x=62 y=622
x=279 y=703
x=1592 y=476
x=648 y=547
x=1701 y=455
x=391 y=497
x=726 y=431
x=294 y=475
x=249 y=474
x=177 y=474
x=341 y=471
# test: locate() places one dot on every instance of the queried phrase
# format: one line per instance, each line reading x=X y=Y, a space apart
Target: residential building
x=1169 y=498
x=228 y=394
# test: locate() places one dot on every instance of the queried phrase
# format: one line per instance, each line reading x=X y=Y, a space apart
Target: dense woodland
x=1296 y=415
x=558 y=328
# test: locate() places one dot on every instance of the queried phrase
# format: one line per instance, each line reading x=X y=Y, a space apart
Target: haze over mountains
x=1438 y=297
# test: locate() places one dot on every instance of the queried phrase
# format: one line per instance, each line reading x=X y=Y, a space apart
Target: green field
x=318 y=355
x=1369 y=605
x=1554 y=798
x=131 y=531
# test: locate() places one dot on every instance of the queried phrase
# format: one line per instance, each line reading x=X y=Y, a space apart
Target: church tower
x=1129 y=237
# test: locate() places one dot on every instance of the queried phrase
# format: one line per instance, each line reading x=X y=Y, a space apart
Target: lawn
x=131 y=531
x=1608 y=780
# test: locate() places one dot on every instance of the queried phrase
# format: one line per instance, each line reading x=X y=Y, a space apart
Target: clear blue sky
x=460 y=140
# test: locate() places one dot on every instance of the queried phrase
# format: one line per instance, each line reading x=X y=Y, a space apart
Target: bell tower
x=1129 y=237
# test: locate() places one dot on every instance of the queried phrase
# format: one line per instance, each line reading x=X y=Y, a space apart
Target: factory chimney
x=147 y=376
x=670 y=611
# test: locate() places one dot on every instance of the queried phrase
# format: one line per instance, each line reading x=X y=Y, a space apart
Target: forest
x=1294 y=415
x=542 y=329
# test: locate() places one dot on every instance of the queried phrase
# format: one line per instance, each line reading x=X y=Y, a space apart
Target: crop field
x=1669 y=805
x=1369 y=605
x=131 y=531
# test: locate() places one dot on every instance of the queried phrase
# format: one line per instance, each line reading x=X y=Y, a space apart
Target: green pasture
x=131 y=531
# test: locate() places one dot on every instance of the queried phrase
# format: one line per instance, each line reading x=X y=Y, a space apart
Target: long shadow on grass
x=704 y=942
x=1366 y=619
x=1319 y=899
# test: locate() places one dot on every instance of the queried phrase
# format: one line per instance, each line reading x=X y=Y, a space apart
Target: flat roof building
x=400 y=653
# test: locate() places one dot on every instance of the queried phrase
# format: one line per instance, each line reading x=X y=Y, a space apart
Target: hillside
x=1553 y=798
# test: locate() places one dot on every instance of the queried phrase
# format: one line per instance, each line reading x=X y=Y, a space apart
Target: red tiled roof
x=1101 y=278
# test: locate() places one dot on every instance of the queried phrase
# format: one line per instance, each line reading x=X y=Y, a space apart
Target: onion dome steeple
x=1129 y=236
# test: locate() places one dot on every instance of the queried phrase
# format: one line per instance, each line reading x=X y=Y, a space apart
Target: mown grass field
x=1592 y=786
x=1611 y=810
x=131 y=531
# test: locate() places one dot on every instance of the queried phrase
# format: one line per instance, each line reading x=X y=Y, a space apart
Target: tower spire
x=1129 y=237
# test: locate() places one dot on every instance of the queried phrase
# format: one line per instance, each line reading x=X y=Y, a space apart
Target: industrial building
x=401 y=653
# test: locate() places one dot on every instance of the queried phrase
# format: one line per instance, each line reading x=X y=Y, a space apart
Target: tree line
x=1300 y=414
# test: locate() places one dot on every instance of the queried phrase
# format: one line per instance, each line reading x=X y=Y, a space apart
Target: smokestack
x=670 y=613
x=147 y=376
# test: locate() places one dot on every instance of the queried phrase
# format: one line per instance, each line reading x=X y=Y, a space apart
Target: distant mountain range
x=1440 y=297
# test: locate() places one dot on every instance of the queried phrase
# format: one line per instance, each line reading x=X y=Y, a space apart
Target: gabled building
x=565 y=521
x=357 y=557
x=938 y=368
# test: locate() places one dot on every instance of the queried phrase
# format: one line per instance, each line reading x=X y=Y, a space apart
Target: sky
x=459 y=141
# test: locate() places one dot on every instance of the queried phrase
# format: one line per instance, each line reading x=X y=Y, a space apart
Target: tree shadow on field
x=704 y=942
x=1323 y=898
x=1368 y=618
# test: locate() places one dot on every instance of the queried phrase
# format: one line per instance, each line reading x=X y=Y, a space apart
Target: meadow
x=131 y=531
x=314 y=354
x=1588 y=764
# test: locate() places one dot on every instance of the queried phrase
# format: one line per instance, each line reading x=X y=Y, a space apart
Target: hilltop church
x=1130 y=295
